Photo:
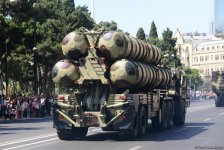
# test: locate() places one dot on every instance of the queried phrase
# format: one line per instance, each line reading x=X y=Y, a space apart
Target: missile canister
x=115 y=45
x=75 y=45
x=131 y=74
x=65 y=73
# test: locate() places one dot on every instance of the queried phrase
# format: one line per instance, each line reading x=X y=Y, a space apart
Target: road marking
x=221 y=113
x=27 y=139
x=192 y=109
x=135 y=148
x=4 y=132
x=207 y=119
x=37 y=137
x=30 y=144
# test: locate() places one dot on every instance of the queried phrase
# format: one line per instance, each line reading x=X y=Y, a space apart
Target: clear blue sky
x=130 y=15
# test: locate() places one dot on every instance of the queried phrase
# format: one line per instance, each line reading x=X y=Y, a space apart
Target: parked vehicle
x=218 y=87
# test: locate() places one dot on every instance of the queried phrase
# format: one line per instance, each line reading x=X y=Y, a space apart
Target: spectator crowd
x=21 y=106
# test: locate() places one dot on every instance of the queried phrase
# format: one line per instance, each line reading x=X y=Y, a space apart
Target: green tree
x=153 y=36
x=167 y=46
x=64 y=18
x=194 y=78
x=54 y=19
x=153 y=31
x=106 y=25
x=140 y=34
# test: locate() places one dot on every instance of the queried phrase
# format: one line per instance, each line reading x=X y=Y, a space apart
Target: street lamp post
x=14 y=3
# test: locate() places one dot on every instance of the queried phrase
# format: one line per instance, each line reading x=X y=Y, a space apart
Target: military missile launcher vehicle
x=218 y=87
x=114 y=81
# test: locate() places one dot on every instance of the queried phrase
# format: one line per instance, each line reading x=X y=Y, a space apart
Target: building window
x=222 y=57
x=211 y=57
x=183 y=59
x=202 y=49
x=207 y=48
x=206 y=58
x=218 y=46
x=207 y=71
x=212 y=47
x=195 y=59
x=216 y=57
x=201 y=58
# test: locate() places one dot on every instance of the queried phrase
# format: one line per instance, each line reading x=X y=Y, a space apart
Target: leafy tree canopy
x=140 y=34
x=54 y=19
x=153 y=31
x=193 y=77
x=106 y=25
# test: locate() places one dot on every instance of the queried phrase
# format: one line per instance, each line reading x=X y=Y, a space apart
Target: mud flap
x=59 y=123
x=125 y=122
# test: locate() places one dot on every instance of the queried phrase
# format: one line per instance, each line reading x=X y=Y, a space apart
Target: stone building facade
x=205 y=53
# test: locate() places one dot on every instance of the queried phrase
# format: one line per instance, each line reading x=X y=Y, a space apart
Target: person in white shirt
x=42 y=103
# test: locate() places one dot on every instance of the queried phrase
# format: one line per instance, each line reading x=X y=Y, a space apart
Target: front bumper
x=119 y=116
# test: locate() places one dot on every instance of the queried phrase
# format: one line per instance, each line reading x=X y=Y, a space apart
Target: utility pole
x=92 y=10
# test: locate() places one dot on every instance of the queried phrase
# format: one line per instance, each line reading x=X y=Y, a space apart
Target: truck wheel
x=179 y=113
x=65 y=134
x=156 y=121
x=169 y=115
x=164 y=117
x=110 y=128
x=134 y=132
x=142 y=121
x=131 y=134
x=160 y=121
x=217 y=102
x=79 y=132
x=71 y=134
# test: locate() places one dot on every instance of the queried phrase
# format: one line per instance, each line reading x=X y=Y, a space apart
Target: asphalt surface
x=204 y=129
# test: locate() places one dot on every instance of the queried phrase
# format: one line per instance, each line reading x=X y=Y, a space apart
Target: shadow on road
x=6 y=128
x=187 y=131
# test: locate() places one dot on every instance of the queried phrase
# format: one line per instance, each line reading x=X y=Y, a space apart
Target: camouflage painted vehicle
x=218 y=87
x=113 y=81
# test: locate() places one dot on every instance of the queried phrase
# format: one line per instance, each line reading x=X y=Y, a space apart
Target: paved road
x=204 y=129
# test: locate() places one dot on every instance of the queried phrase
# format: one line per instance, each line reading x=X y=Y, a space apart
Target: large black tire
x=107 y=128
x=131 y=134
x=134 y=132
x=160 y=121
x=142 y=121
x=71 y=134
x=179 y=113
x=164 y=117
x=170 y=114
x=156 y=121
x=218 y=102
